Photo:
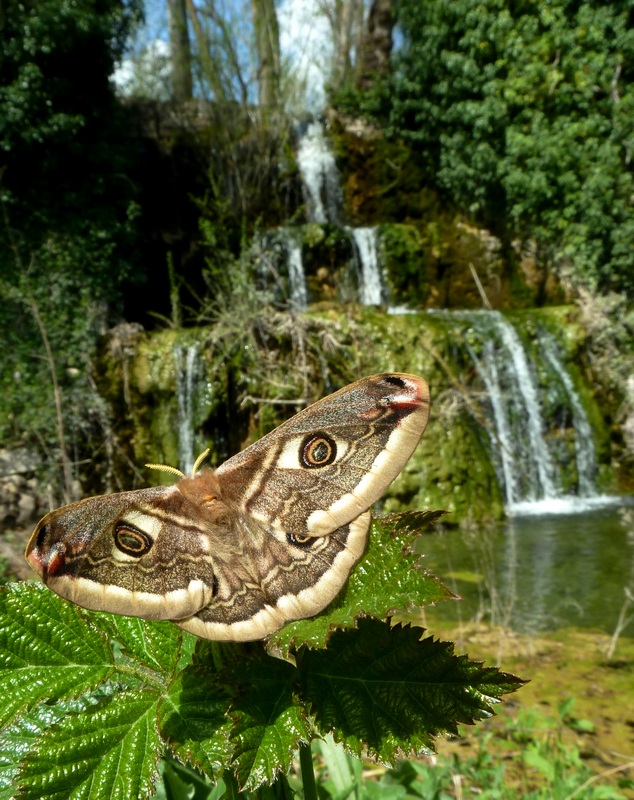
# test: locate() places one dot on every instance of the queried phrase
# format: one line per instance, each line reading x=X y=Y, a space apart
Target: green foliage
x=527 y=757
x=522 y=113
x=90 y=702
x=67 y=233
x=60 y=130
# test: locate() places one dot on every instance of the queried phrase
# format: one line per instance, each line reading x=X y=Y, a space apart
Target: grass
x=569 y=733
x=527 y=756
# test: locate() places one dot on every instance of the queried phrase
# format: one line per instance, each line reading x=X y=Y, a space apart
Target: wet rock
x=21 y=502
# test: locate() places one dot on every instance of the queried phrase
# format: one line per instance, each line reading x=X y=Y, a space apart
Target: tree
x=180 y=51
x=267 y=47
x=66 y=239
x=376 y=45
x=522 y=113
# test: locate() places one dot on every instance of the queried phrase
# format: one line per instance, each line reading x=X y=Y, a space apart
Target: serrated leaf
x=388 y=578
x=20 y=737
x=157 y=645
x=386 y=692
x=193 y=721
x=46 y=650
x=269 y=722
x=109 y=751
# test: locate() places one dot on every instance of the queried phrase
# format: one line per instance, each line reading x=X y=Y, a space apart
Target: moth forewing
x=373 y=426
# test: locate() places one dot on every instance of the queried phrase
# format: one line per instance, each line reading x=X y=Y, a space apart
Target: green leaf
x=388 y=578
x=46 y=650
x=344 y=772
x=111 y=750
x=161 y=646
x=19 y=738
x=193 y=721
x=182 y=783
x=269 y=722
x=386 y=692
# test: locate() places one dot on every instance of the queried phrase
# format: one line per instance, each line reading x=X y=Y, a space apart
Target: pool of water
x=539 y=572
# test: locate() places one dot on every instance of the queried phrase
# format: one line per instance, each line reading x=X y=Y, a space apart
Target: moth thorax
x=204 y=491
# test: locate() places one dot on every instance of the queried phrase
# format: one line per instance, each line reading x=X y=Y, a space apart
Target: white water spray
x=366 y=249
x=319 y=173
x=296 y=277
x=188 y=375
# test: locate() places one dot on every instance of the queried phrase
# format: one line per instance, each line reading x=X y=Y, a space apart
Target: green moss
x=381 y=179
x=407 y=264
x=319 y=352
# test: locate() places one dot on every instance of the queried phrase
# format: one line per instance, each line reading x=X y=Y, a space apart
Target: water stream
x=188 y=376
x=296 y=277
x=371 y=292
x=323 y=197
x=584 y=437
x=524 y=461
x=320 y=177
x=530 y=454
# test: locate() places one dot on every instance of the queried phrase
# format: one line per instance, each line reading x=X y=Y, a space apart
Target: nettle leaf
x=89 y=702
x=20 y=737
x=100 y=681
x=389 y=578
x=112 y=752
x=193 y=721
x=46 y=650
x=269 y=721
x=385 y=692
x=161 y=646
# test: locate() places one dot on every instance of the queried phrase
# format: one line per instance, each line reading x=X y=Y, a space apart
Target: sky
x=305 y=42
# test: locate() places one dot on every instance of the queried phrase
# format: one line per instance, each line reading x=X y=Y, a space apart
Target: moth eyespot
x=394 y=380
x=317 y=450
x=299 y=541
x=131 y=541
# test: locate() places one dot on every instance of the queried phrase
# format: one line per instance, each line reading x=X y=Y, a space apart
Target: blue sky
x=304 y=38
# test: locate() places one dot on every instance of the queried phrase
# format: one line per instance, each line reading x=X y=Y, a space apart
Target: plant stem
x=308 y=773
x=57 y=396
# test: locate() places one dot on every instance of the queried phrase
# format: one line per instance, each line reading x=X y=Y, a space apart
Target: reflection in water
x=536 y=574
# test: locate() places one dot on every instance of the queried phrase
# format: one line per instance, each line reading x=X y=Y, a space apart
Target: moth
x=269 y=537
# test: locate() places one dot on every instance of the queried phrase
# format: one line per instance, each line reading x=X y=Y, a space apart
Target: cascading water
x=318 y=169
x=298 y=294
x=520 y=434
x=585 y=451
x=188 y=376
x=526 y=464
x=323 y=196
x=371 y=292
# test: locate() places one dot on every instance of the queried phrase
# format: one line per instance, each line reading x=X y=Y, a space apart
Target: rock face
x=21 y=501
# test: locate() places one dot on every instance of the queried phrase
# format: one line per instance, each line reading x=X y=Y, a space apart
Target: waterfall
x=366 y=252
x=188 y=376
x=584 y=441
x=318 y=169
x=296 y=277
x=525 y=465
x=323 y=197
x=524 y=438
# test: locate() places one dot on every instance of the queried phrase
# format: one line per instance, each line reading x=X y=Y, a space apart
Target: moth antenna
x=166 y=468
x=200 y=460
